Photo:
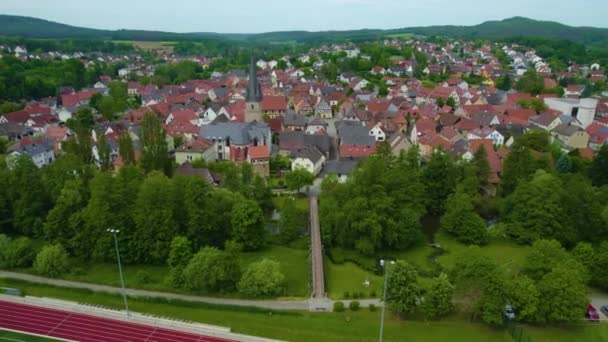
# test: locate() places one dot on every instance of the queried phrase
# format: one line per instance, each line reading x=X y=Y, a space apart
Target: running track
x=85 y=328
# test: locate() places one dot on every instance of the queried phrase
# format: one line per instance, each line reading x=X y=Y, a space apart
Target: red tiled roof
x=356 y=151
x=274 y=103
x=185 y=115
x=258 y=152
x=18 y=117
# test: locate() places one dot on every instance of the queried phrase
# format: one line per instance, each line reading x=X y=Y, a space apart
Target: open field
x=348 y=277
x=503 y=251
x=294 y=265
x=16 y=337
x=321 y=327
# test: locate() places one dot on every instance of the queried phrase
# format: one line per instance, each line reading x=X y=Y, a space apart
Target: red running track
x=85 y=328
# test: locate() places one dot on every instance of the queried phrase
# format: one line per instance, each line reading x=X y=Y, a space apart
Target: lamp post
x=114 y=232
x=384 y=263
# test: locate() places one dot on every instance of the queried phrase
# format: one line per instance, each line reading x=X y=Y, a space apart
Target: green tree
x=179 y=257
x=440 y=102
x=29 y=199
x=535 y=210
x=503 y=83
x=461 y=220
x=524 y=296
x=598 y=172
x=402 y=287
x=482 y=166
x=262 y=279
x=154 y=149
x=71 y=200
x=585 y=254
x=52 y=261
x=544 y=256
x=531 y=83
x=248 y=225
x=17 y=253
x=155 y=224
x=599 y=267
x=451 y=102
x=290 y=222
x=438 y=300
x=211 y=270
x=299 y=178
x=439 y=181
x=493 y=299
x=563 y=294
x=104 y=153
x=125 y=148
x=537 y=104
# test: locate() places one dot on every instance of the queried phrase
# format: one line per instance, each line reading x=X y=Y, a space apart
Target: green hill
x=28 y=27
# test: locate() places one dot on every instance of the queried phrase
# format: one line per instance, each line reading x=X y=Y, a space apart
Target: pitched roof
x=308 y=152
x=274 y=103
x=196 y=145
x=258 y=152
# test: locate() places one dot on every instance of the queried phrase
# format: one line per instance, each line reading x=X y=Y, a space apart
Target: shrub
x=372 y=308
x=354 y=305
x=20 y=253
x=52 y=261
x=142 y=277
x=338 y=307
x=346 y=295
x=263 y=278
x=372 y=294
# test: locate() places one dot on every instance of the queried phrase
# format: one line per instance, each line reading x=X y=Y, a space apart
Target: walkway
x=312 y=304
x=316 y=251
x=265 y=304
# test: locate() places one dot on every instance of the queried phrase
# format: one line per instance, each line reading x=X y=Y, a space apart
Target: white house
x=308 y=158
x=42 y=152
x=583 y=110
x=378 y=133
x=360 y=85
x=487 y=133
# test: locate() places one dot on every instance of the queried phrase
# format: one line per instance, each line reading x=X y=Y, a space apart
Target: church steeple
x=253 y=90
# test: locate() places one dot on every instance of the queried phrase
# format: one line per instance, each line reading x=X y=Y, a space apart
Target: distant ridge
x=28 y=27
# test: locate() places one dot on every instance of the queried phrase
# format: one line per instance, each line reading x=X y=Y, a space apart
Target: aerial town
x=424 y=183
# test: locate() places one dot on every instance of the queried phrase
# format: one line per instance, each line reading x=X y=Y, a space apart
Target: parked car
x=604 y=309
x=509 y=312
x=592 y=313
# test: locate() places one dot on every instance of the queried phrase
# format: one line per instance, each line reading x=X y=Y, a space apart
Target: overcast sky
x=249 y=16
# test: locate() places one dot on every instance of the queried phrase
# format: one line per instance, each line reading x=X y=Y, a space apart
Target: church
x=253 y=111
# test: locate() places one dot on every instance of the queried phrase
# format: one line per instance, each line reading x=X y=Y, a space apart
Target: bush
x=263 y=278
x=52 y=261
x=338 y=307
x=211 y=270
x=372 y=294
x=20 y=253
x=142 y=277
x=346 y=295
x=372 y=308
x=354 y=305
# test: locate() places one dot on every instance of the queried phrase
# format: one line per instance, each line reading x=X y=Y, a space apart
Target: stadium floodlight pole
x=384 y=263
x=122 y=281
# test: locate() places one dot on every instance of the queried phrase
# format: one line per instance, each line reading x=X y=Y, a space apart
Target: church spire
x=253 y=90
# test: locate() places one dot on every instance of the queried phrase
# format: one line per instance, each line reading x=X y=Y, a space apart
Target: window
x=574 y=112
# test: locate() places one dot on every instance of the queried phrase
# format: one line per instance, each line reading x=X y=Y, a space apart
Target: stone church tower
x=253 y=111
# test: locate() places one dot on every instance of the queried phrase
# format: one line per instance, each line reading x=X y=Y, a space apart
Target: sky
x=254 y=16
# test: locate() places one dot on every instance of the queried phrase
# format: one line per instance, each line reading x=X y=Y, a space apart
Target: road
x=597 y=300
x=265 y=304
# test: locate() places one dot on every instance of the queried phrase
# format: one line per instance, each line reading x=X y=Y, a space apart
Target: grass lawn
x=294 y=264
x=504 y=252
x=14 y=337
x=419 y=256
x=348 y=277
x=302 y=202
x=319 y=327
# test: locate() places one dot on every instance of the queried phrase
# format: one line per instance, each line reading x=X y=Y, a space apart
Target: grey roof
x=308 y=152
x=254 y=93
x=340 y=167
x=220 y=91
x=297 y=140
x=34 y=148
x=356 y=135
x=12 y=129
x=239 y=133
x=566 y=130
x=510 y=129
x=317 y=121
x=293 y=119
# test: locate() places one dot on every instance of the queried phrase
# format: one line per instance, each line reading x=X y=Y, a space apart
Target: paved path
x=318 y=280
x=265 y=304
